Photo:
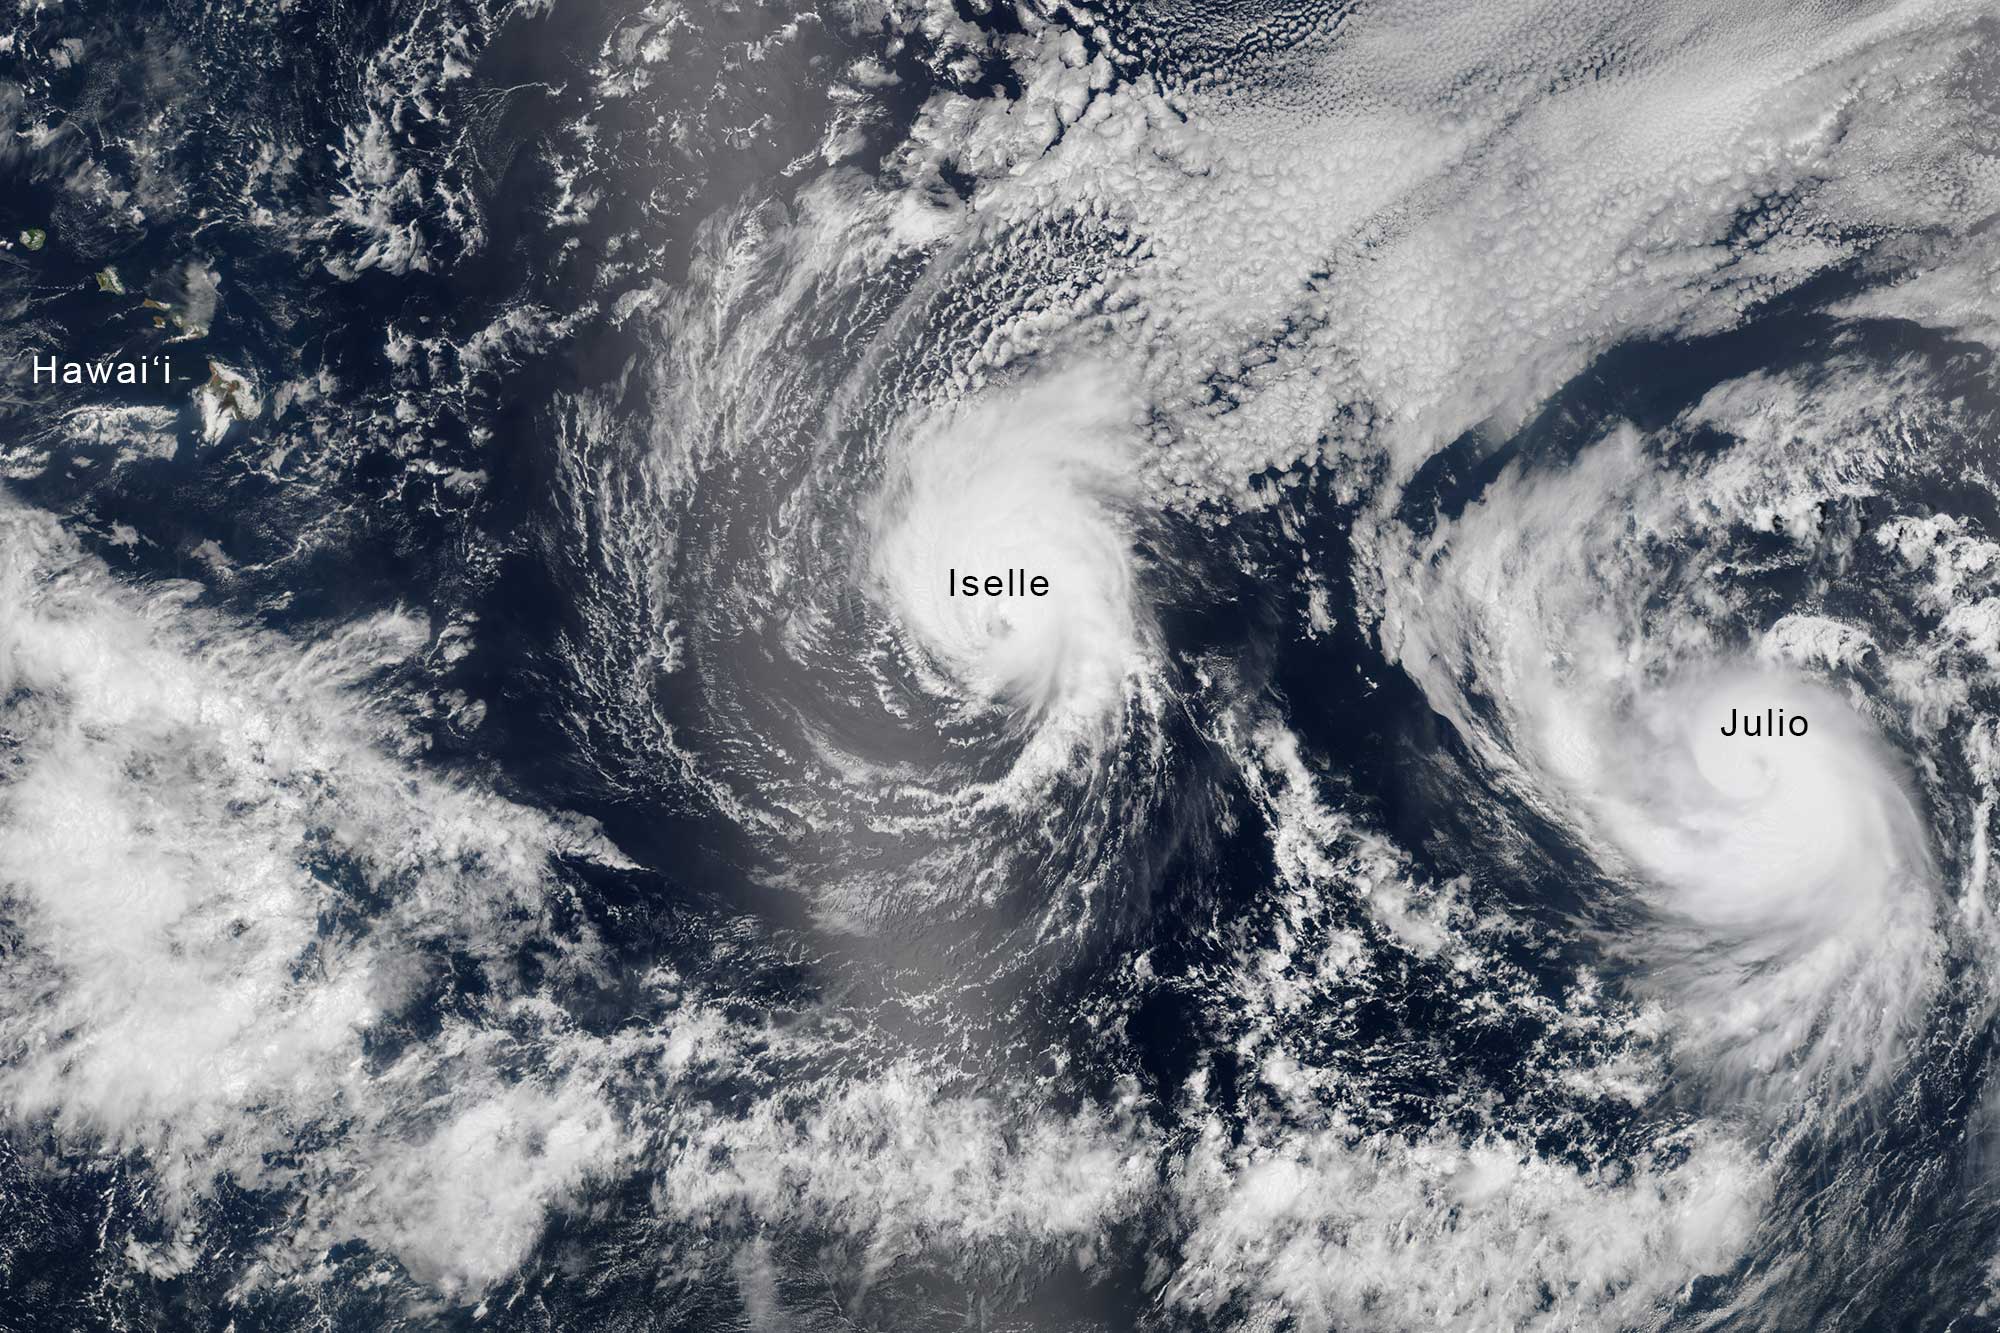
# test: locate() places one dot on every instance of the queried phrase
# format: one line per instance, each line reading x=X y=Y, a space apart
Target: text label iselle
x=1014 y=583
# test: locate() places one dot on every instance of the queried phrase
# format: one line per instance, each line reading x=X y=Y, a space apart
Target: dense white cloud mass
x=225 y=881
x=1417 y=220
x=1339 y=1229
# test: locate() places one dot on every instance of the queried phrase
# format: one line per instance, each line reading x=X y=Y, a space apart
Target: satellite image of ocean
x=1007 y=666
